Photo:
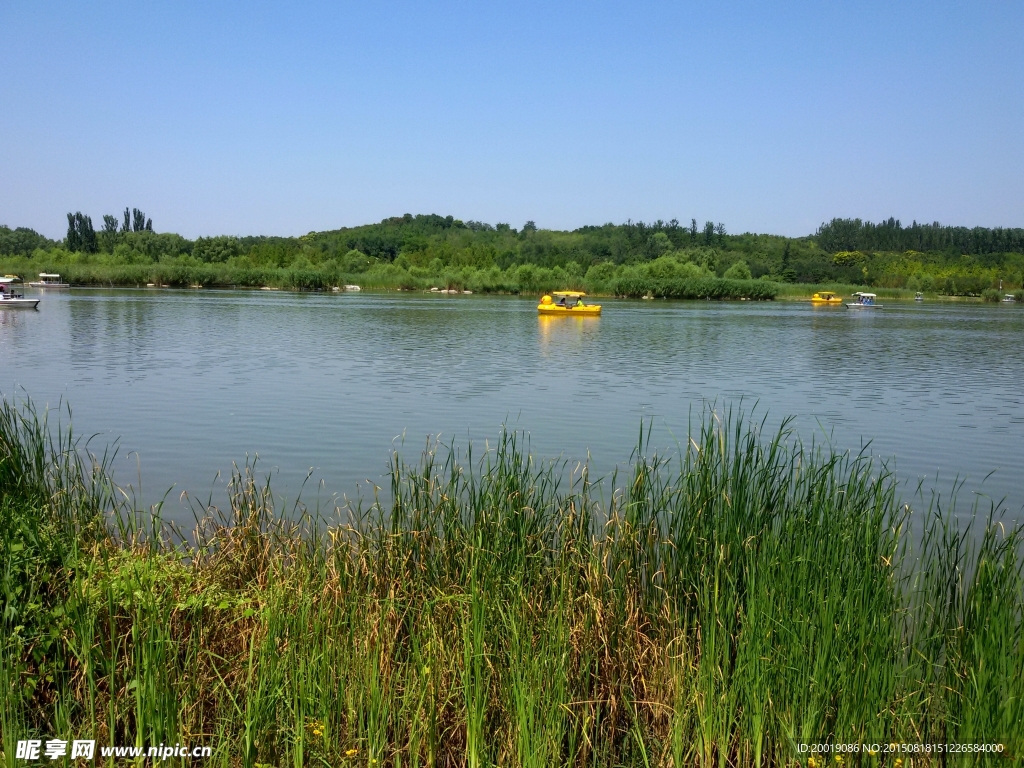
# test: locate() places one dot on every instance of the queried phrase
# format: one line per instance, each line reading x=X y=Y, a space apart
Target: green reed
x=717 y=608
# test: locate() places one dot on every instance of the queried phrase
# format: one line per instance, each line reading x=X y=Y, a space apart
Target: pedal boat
x=826 y=297
x=48 y=280
x=863 y=301
x=569 y=303
x=10 y=299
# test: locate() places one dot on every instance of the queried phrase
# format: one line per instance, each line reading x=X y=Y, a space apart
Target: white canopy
x=48 y=274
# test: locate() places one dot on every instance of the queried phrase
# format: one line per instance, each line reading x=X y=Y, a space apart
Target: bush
x=598 y=276
x=215 y=249
x=990 y=294
x=355 y=262
x=716 y=288
x=738 y=271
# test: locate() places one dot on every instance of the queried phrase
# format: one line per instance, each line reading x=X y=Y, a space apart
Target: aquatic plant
x=717 y=607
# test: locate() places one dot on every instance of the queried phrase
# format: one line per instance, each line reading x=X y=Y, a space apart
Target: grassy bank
x=751 y=595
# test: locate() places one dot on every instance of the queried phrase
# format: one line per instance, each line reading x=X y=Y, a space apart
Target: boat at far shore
x=48 y=280
x=11 y=299
x=863 y=301
x=826 y=297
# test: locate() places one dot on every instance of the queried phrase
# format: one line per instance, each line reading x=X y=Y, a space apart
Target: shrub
x=355 y=262
x=636 y=286
x=738 y=271
x=599 y=275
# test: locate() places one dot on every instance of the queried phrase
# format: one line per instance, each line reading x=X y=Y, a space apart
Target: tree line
x=82 y=238
x=889 y=235
x=955 y=260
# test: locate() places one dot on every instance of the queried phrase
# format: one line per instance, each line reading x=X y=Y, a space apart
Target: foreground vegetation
x=666 y=258
x=749 y=596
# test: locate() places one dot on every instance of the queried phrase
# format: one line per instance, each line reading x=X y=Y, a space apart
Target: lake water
x=191 y=381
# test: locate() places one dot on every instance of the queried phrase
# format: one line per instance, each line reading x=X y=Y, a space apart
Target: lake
x=191 y=381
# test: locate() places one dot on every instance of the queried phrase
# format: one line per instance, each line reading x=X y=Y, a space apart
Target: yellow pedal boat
x=826 y=297
x=567 y=303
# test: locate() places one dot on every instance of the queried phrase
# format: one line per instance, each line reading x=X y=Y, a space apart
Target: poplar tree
x=81 y=235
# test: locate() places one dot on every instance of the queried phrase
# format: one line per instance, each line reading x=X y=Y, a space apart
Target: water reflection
x=559 y=335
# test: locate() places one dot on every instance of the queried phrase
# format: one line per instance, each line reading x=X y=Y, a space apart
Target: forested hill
x=956 y=260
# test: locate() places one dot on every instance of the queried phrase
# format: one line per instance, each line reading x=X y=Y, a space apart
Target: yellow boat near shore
x=567 y=303
x=826 y=297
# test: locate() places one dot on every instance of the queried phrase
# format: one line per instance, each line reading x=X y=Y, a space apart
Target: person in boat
x=561 y=303
x=579 y=301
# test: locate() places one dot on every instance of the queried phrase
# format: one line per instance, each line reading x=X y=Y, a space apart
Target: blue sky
x=282 y=118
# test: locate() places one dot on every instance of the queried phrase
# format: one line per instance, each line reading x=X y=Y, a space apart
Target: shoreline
x=790 y=292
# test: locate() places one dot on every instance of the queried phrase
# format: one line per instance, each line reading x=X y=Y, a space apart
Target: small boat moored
x=567 y=303
x=863 y=301
x=826 y=297
x=48 y=280
x=918 y=296
x=1009 y=298
x=11 y=299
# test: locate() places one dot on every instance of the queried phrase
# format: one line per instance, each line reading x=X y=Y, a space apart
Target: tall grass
x=718 y=608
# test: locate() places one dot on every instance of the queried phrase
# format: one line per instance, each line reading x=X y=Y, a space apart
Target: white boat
x=863 y=301
x=11 y=299
x=918 y=296
x=1009 y=298
x=48 y=280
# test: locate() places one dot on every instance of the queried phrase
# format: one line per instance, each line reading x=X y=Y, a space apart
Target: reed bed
x=719 y=608
x=523 y=280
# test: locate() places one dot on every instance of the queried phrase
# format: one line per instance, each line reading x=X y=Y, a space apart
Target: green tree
x=139 y=221
x=108 y=236
x=660 y=244
x=22 y=241
x=355 y=262
x=215 y=249
x=81 y=236
x=706 y=258
x=788 y=273
x=738 y=271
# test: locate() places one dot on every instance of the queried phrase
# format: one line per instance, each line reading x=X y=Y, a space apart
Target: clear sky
x=282 y=118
